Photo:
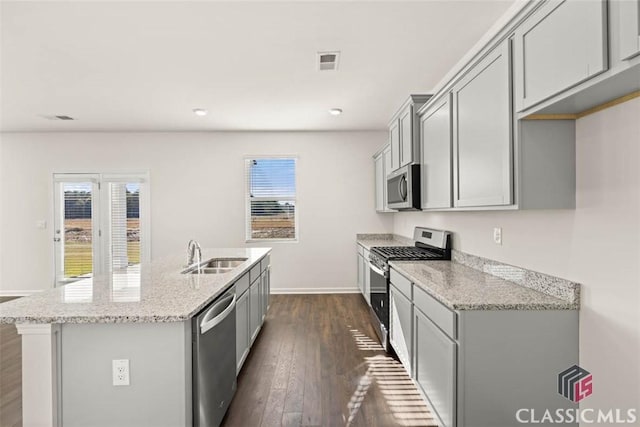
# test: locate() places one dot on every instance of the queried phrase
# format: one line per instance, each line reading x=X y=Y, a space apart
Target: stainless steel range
x=429 y=245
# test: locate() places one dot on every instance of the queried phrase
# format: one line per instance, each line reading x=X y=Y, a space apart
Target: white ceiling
x=143 y=66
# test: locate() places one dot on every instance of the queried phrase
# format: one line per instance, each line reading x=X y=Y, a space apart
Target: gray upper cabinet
x=382 y=167
x=386 y=162
x=561 y=45
x=394 y=137
x=378 y=166
x=406 y=136
x=404 y=133
x=629 y=28
x=482 y=132
x=436 y=140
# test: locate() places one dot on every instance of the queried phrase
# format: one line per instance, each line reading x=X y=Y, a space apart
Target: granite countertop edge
x=107 y=312
x=370 y=240
x=550 y=303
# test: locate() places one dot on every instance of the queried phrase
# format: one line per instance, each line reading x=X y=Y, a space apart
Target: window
x=98 y=224
x=271 y=198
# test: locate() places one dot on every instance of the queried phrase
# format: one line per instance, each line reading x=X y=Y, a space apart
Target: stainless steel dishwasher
x=214 y=360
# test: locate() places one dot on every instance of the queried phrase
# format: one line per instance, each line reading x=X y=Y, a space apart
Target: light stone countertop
x=469 y=282
x=149 y=293
x=462 y=288
x=368 y=241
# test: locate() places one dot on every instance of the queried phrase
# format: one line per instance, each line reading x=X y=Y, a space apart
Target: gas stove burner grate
x=406 y=253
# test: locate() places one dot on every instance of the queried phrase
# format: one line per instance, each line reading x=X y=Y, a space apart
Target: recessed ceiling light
x=200 y=112
x=335 y=111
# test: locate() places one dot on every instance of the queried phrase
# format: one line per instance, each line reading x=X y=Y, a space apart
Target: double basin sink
x=214 y=266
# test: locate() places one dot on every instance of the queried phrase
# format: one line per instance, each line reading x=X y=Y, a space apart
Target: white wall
x=197 y=191
x=597 y=245
x=1 y=210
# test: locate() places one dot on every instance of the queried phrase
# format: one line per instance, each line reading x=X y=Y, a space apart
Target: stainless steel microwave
x=403 y=188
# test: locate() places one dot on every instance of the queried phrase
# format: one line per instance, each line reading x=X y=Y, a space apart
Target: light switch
x=41 y=224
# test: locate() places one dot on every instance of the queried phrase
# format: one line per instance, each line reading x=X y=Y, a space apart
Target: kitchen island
x=71 y=335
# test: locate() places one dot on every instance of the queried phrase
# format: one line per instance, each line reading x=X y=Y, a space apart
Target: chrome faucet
x=193 y=251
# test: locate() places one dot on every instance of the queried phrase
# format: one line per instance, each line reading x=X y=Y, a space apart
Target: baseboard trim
x=20 y=293
x=283 y=291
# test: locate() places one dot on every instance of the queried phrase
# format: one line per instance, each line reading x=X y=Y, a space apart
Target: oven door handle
x=376 y=269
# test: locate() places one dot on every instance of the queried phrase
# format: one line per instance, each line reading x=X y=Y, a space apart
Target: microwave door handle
x=403 y=188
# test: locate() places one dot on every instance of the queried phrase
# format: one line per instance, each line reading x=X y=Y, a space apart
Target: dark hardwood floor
x=10 y=375
x=316 y=363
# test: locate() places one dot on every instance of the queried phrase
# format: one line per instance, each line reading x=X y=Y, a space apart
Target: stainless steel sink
x=214 y=266
x=223 y=263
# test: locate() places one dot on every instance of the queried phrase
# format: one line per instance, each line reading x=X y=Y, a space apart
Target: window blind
x=124 y=224
x=271 y=198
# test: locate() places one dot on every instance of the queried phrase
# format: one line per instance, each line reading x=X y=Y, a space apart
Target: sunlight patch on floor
x=395 y=385
x=364 y=342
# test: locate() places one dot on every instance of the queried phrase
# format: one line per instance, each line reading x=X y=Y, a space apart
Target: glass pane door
x=75 y=230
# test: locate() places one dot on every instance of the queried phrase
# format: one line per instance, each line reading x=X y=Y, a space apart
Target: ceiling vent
x=328 y=61
x=49 y=117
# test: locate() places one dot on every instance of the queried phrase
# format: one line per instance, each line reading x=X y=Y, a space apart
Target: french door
x=98 y=224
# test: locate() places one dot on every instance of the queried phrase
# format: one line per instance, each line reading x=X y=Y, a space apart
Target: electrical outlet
x=497 y=235
x=120 y=371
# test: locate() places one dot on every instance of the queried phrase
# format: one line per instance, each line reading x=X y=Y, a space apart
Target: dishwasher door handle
x=208 y=323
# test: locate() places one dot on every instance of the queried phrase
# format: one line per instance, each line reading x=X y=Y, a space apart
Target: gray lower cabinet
x=366 y=288
x=255 y=308
x=364 y=278
x=435 y=370
x=477 y=368
x=265 y=291
x=561 y=45
x=400 y=325
x=361 y=273
x=252 y=303
x=436 y=140
x=482 y=148
x=243 y=333
x=629 y=28
x=242 y=330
